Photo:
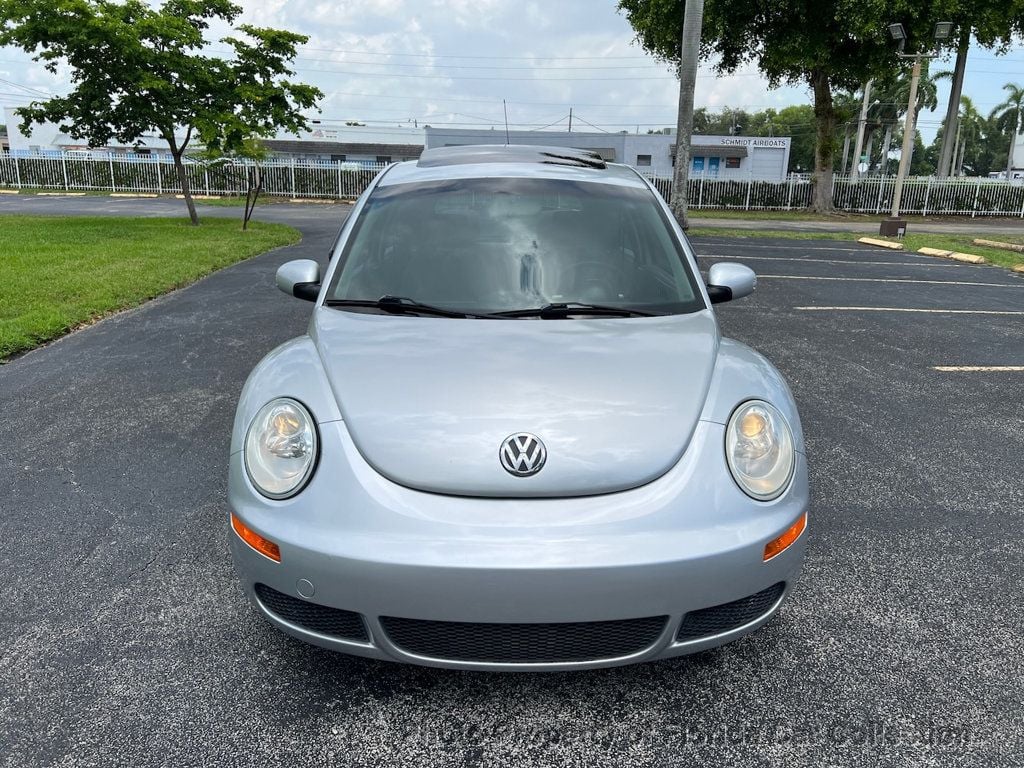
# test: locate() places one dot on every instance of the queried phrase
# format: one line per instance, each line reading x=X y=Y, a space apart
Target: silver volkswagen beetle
x=513 y=437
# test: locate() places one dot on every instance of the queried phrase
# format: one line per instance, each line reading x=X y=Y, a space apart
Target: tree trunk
x=846 y=149
x=824 y=148
x=186 y=190
x=949 y=129
x=689 y=53
x=253 y=192
x=1013 y=140
x=886 y=145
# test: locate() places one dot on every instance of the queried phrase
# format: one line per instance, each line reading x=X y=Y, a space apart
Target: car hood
x=429 y=401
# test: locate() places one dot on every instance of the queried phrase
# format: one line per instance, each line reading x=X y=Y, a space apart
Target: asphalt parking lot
x=125 y=639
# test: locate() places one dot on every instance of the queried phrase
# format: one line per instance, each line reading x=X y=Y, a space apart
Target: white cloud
x=454 y=61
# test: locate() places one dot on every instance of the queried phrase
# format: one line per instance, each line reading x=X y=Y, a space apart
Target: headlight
x=280 y=448
x=759 y=448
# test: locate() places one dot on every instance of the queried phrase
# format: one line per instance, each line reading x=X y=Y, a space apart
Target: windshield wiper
x=564 y=310
x=400 y=305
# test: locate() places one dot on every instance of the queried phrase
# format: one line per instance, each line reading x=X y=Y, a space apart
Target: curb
x=133 y=194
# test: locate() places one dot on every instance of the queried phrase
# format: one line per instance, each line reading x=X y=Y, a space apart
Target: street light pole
x=943 y=29
x=908 y=138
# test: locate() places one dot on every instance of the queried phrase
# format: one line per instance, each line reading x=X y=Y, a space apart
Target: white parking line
x=795 y=245
x=929 y=263
x=905 y=309
x=886 y=280
x=978 y=368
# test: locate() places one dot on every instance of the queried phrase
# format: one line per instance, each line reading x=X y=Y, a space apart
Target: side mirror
x=300 y=278
x=728 y=280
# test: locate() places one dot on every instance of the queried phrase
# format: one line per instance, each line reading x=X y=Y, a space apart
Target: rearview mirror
x=728 y=280
x=300 y=278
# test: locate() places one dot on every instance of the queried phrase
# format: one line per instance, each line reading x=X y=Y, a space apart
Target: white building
x=332 y=142
x=723 y=157
x=1018 y=157
x=324 y=142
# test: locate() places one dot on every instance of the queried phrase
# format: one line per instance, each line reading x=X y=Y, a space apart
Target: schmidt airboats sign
x=750 y=141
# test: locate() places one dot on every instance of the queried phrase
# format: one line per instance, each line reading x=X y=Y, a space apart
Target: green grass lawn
x=911 y=242
x=57 y=273
x=794 y=215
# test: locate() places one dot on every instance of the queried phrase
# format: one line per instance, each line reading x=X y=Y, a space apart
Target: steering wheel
x=583 y=275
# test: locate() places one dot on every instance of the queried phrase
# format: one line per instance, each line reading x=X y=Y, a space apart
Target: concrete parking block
x=999 y=244
x=969 y=258
x=881 y=243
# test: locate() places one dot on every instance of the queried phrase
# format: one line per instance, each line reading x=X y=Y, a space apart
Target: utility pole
x=894 y=225
x=908 y=138
x=858 y=146
x=689 y=53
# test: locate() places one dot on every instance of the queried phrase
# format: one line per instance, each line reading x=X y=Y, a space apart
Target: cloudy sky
x=451 y=62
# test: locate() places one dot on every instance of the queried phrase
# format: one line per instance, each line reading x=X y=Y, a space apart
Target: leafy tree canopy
x=138 y=69
x=831 y=45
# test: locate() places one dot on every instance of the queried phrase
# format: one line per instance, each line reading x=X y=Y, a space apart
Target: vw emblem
x=523 y=454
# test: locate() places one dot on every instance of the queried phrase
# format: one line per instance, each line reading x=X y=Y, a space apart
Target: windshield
x=495 y=245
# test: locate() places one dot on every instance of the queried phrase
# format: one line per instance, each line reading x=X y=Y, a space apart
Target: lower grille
x=344 y=625
x=523 y=643
x=728 y=616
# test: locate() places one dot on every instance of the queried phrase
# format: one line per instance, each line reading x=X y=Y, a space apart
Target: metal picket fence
x=347 y=180
x=157 y=175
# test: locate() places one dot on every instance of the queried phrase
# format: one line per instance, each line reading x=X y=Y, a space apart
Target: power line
x=504 y=79
x=34 y=91
x=491 y=58
x=537 y=65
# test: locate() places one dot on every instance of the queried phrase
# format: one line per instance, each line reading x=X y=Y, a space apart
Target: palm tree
x=1007 y=117
x=891 y=97
x=967 y=130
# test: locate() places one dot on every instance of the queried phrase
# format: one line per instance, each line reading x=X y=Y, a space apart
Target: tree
x=138 y=69
x=1007 y=118
x=245 y=164
x=828 y=45
x=994 y=24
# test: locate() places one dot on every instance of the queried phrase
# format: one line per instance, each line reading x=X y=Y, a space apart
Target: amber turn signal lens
x=780 y=543
x=265 y=547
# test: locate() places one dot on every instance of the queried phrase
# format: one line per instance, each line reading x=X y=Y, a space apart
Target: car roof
x=511 y=161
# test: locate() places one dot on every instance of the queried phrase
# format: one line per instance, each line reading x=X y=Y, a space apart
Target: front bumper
x=354 y=541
